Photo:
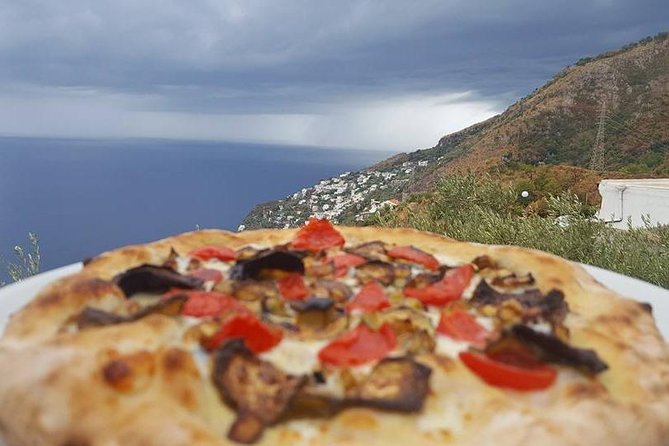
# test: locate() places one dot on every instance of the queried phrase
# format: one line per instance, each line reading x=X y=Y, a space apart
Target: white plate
x=14 y=296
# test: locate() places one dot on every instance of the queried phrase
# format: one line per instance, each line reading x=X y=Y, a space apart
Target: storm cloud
x=392 y=75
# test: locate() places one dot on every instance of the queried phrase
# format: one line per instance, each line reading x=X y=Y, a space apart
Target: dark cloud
x=306 y=57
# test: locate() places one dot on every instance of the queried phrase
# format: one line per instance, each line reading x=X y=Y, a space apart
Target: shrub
x=27 y=263
x=482 y=210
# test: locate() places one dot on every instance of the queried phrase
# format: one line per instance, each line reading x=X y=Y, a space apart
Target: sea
x=83 y=196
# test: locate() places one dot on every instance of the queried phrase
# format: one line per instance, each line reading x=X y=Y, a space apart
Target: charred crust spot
x=582 y=391
x=51 y=299
x=618 y=318
x=130 y=372
x=174 y=360
x=484 y=262
x=645 y=306
x=76 y=442
x=116 y=373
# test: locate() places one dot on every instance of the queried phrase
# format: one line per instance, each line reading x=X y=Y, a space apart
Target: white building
x=632 y=199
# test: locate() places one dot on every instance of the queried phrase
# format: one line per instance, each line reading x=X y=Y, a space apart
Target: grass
x=26 y=263
x=480 y=209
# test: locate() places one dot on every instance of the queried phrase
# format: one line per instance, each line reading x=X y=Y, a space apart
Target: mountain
x=603 y=116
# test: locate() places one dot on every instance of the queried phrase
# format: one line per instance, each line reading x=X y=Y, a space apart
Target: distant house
x=624 y=200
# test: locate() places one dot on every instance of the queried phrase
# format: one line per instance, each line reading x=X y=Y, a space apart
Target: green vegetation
x=657 y=37
x=483 y=210
x=27 y=263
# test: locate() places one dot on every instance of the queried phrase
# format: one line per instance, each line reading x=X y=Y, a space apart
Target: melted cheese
x=469 y=291
x=182 y=263
x=434 y=314
x=486 y=322
x=217 y=265
x=295 y=356
x=447 y=260
x=449 y=347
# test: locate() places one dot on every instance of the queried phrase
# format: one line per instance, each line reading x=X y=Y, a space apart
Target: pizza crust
x=58 y=389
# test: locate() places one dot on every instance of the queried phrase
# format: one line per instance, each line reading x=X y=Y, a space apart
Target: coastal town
x=348 y=198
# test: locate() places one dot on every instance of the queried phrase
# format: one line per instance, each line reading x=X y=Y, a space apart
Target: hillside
x=617 y=101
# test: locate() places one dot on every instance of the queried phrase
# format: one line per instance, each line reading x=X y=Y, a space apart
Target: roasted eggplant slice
x=153 y=279
x=375 y=250
x=414 y=331
x=552 y=349
x=318 y=268
x=382 y=272
x=551 y=307
x=314 y=313
x=334 y=289
x=170 y=306
x=258 y=391
x=92 y=317
x=251 y=290
x=247 y=428
x=268 y=265
x=424 y=279
x=248 y=252
x=399 y=384
x=513 y=281
x=318 y=318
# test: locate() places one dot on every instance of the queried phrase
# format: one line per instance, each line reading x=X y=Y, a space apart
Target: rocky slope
x=622 y=96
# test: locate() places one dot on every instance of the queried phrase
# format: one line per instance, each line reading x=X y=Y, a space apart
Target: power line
x=597 y=156
x=633 y=132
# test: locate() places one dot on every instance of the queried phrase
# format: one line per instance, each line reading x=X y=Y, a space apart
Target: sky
x=387 y=75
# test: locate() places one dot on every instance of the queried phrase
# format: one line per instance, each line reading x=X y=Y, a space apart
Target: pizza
x=331 y=335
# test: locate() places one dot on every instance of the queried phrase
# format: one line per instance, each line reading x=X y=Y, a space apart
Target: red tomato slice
x=316 y=235
x=207 y=274
x=257 y=336
x=209 y=303
x=343 y=262
x=359 y=346
x=292 y=287
x=462 y=326
x=448 y=289
x=370 y=298
x=509 y=376
x=414 y=255
x=214 y=252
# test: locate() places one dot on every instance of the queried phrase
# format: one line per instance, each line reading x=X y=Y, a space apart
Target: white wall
x=625 y=199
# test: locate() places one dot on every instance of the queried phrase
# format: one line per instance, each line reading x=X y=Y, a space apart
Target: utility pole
x=597 y=157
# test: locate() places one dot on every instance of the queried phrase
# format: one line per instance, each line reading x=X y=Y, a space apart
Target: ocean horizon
x=85 y=196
